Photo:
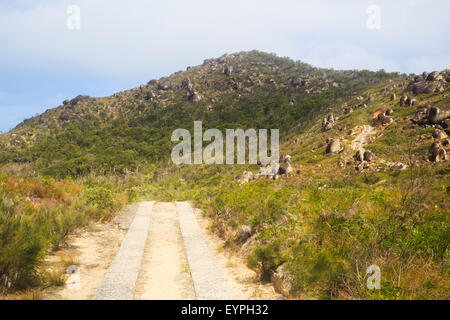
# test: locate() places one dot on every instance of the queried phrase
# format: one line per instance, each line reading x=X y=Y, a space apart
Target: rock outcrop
x=328 y=123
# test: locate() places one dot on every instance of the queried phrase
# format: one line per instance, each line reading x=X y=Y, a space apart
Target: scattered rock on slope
x=245 y=177
x=194 y=97
x=164 y=85
x=423 y=87
x=328 y=123
x=65 y=115
x=187 y=85
x=437 y=152
x=79 y=98
x=434 y=76
x=368 y=156
x=227 y=70
x=334 y=146
x=382 y=120
x=438 y=114
x=285 y=167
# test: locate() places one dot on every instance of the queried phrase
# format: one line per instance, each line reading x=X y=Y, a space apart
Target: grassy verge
x=328 y=233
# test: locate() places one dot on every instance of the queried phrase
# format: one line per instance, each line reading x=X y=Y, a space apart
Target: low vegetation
x=37 y=215
x=325 y=225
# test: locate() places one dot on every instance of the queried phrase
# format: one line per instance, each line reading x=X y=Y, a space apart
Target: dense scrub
x=36 y=215
x=329 y=235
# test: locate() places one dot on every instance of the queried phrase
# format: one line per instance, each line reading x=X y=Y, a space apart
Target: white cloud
x=134 y=38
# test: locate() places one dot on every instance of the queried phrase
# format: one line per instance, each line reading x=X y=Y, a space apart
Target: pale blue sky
x=122 y=44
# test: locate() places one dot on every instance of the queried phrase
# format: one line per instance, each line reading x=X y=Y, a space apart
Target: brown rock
x=439 y=134
x=423 y=87
x=368 y=156
x=403 y=100
x=437 y=152
x=282 y=281
x=439 y=113
x=65 y=115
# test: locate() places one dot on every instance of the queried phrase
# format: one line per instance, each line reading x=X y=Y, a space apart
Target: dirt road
x=158 y=251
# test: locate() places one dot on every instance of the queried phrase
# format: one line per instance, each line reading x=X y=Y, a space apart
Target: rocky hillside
x=249 y=90
x=363 y=176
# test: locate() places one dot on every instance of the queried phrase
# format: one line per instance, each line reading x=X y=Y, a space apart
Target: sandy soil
x=92 y=250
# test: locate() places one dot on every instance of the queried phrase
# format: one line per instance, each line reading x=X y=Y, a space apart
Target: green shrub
x=102 y=197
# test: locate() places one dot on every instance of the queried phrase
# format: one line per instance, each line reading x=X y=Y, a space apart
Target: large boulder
x=285 y=168
x=227 y=70
x=437 y=152
x=330 y=118
x=446 y=124
x=327 y=126
x=79 y=98
x=187 y=85
x=403 y=100
x=434 y=76
x=334 y=146
x=439 y=134
x=65 y=115
x=165 y=85
x=368 y=156
x=438 y=114
x=410 y=101
x=421 y=115
x=423 y=87
x=382 y=120
x=328 y=123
